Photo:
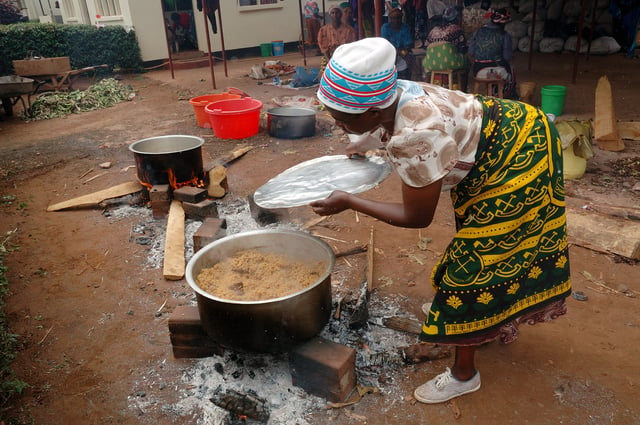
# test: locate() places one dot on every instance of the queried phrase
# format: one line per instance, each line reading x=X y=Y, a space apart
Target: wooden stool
x=490 y=85
x=454 y=77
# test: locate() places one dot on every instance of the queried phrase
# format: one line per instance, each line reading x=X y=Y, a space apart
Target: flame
x=175 y=184
x=145 y=184
x=195 y=181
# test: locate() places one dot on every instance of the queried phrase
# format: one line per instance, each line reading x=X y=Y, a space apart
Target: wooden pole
x=576 y=56
x=377 y=5
x=324 y=13
x=593 y=25
x=304 y=49
x=166 y=36
x=533 y=32
x=209 y=55
x=359 y=18
x=224 y=54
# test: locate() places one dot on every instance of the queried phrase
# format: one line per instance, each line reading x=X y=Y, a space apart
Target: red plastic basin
x=234 y=118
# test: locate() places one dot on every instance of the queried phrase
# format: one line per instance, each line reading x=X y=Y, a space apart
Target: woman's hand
x=416 y=209
x=360 y=144
x=337 y=202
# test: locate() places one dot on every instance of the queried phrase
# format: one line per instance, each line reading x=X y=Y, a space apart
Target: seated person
x=447 y=47
x=491 y=49
x=399 y=34
x=333 y=35
x=347 y=15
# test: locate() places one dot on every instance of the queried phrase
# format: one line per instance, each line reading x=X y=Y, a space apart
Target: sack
x=578 y=133
x=576 y=147
x=304 y=78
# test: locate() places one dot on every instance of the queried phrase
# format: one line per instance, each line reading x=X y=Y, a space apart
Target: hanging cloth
x=212 y=6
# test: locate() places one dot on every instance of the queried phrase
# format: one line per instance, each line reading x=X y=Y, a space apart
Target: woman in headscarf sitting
x=491 y=48
x=399 y=34
x=333 y=35
x=447 y=46
x=347 y=15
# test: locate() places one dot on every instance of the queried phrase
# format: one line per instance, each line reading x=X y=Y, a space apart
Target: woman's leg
x=462 y=379
x=464 y=366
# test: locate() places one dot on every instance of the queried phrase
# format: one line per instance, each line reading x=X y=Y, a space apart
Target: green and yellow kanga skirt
x=509 y=257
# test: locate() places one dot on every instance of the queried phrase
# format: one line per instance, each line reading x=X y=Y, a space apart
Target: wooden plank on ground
x=174 y=261
x=399 y=323
x=95 y=198
x=629 y=130
x=611 y=234
x=605 y=125
x=229 y=157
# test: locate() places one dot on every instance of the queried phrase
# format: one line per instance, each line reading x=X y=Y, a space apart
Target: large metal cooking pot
x=274 y=325
x=291 y=122
x=164 y=158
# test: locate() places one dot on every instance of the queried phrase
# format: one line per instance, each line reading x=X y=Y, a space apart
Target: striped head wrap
x=359 y=76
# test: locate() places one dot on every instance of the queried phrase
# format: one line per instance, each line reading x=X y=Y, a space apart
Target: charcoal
x=247 y=404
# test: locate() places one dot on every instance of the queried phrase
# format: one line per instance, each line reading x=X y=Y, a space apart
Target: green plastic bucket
x=553 y=99
x=265 y=49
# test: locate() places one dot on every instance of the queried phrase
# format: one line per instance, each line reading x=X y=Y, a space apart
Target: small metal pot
x=274 y=325
x=168 y=159
x=291 y=122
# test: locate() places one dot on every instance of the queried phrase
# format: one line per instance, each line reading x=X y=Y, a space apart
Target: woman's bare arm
x=416 y=209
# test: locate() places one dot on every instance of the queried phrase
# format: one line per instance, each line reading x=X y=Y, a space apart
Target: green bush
x=9 y=384
x=85 y=45
x=9 y=12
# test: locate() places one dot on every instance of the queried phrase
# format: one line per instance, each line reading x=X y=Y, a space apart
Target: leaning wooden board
x=605 y=128
x=95 y=198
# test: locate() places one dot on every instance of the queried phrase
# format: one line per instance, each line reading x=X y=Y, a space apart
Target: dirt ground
x=92 y=314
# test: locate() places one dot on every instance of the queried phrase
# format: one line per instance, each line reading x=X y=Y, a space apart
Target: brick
x=190 y=194
x=188 y=337
x=192 y=340
x=185 y=319
x=201 y=210
x=266 y=216
x=211 y=230
x=160 y=192
x=182 y=352
x=324 y=368
x=160 y=209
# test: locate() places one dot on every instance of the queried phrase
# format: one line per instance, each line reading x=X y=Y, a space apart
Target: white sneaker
x=445 y=387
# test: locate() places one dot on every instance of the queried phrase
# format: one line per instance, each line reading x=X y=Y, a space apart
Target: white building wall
x=75 y=12
x=243 y=27
x=147 y=20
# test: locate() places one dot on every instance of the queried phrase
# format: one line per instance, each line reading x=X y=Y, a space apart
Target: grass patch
x=10 y=385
